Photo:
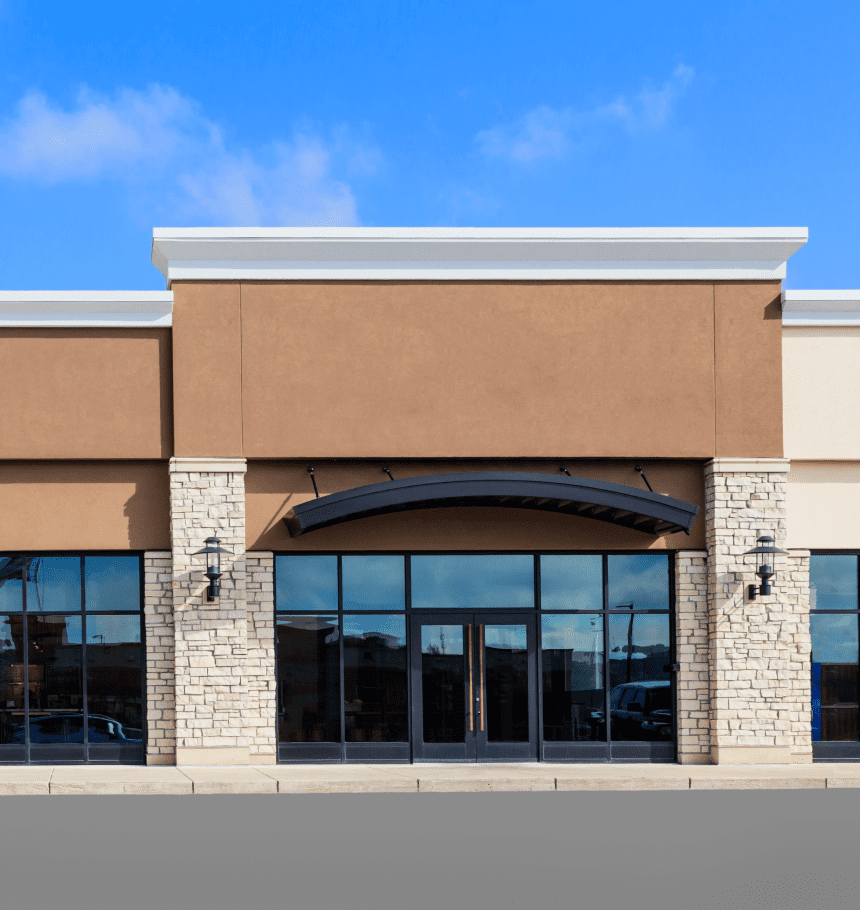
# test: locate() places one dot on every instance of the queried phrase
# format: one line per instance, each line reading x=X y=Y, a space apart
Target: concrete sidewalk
x=418 y=778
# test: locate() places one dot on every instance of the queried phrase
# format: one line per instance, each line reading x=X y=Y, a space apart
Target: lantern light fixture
x=213 y=551
x=764 y=553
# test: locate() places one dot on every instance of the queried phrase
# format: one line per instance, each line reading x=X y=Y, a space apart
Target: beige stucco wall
x=821 y=392
x=823 y=500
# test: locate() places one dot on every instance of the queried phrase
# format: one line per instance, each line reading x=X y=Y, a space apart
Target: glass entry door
x=474 y=695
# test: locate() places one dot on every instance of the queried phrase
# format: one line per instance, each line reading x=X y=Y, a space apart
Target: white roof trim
x=456 y=254
x=86 y=309
x=821 y=308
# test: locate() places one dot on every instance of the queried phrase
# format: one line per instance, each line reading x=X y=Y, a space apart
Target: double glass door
x=474 y=695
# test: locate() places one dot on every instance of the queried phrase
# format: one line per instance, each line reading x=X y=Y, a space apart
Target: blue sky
x=115 y=118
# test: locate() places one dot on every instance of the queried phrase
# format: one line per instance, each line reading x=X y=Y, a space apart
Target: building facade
x=481 y=495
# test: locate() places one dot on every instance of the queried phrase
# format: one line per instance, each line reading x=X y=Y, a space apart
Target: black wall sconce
x=213 y=553
x=764 y=553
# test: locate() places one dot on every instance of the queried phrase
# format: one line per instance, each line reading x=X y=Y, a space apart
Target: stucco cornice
x=86 y=309
x=823 y=308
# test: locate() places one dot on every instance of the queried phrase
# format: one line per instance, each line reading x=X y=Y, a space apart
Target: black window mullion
x=25 y=638
x=407 y=569
x=84 y=662
x=340 y=659
x=606 y=680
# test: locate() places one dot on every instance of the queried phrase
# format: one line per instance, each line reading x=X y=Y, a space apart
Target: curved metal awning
x=621 y=505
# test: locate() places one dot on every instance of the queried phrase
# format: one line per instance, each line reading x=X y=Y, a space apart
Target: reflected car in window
x=639 y=711
x=68 y=728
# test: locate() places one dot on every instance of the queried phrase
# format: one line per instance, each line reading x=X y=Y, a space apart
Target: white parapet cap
x=86 y=309
x=820 y=308
x=488 y=254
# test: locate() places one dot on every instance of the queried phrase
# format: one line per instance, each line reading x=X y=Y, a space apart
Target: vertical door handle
x=471 y=685
x=481 y=676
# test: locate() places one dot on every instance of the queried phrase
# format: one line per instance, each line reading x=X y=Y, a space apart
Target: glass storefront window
x=11 y=679
x=308 y=652
x=473 y=582
x=573 y=691
x=832 y=582
x=54 y=584
x=114 y=678
x=834 y=677
x=639 y=680
x=11 y=597
x=305 y=582
x=112 y=582
x=55 y=678
x=375 y=675
x=571 y=582
x=638 y=582
x=374 y=583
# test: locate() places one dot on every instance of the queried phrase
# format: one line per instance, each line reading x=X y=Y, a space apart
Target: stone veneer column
x=158 y=647
x=759 y=650
x=207 y=497
x=691 y=647
x=261 y=712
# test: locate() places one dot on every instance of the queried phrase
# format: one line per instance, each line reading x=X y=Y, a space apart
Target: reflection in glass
x=114 y=679
x=373 y=583
x=572 y=678
x=443 y=681
x=473 y=582
x=11 y=599
x=54 y=651
x=832 y=582
x=306 y=582
x=506 y=674
x=54 y=583
x=308 y=679
x=571 y=582
x=11 y=679
x=834 y=677
x=640 y=687
x=639 y=582
x=375 y=679
x=112 y=582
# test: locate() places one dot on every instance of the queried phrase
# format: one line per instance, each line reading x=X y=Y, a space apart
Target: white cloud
x=545 y=133
x=160 y=143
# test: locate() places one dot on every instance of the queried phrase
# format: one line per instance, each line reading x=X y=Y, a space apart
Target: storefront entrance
x=474 y=692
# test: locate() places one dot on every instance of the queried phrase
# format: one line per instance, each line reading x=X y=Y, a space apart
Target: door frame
x=475 y=748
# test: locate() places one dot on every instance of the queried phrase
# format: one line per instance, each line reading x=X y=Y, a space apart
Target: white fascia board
x=86 y=309
x=500 y=254
x=822 y=308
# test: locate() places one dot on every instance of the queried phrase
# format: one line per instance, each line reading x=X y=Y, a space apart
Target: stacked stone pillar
x=207 y=498
x=759 y=650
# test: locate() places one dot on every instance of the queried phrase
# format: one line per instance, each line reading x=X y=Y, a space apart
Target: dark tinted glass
x=639 y=652
x=473 y=582
x=11 y=599
x=308 y=679
x=114 y=678
x=112 y=582
x=640 y=582
x=55 y=679
x=306 y=583
x=573 y=708
x=11 y=679
x=571 y=582
x=375 y=678
x=834 y=677
x=506 y=674
x=373 y=583
x=54 y=583
x=832 y=582
x=443 y=680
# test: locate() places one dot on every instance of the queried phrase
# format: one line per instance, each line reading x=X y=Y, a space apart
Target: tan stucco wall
x=85 y=393
x=84 y=505
x=273 y=488
x=823 y=502
x=821 y=390
x=476 y=369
